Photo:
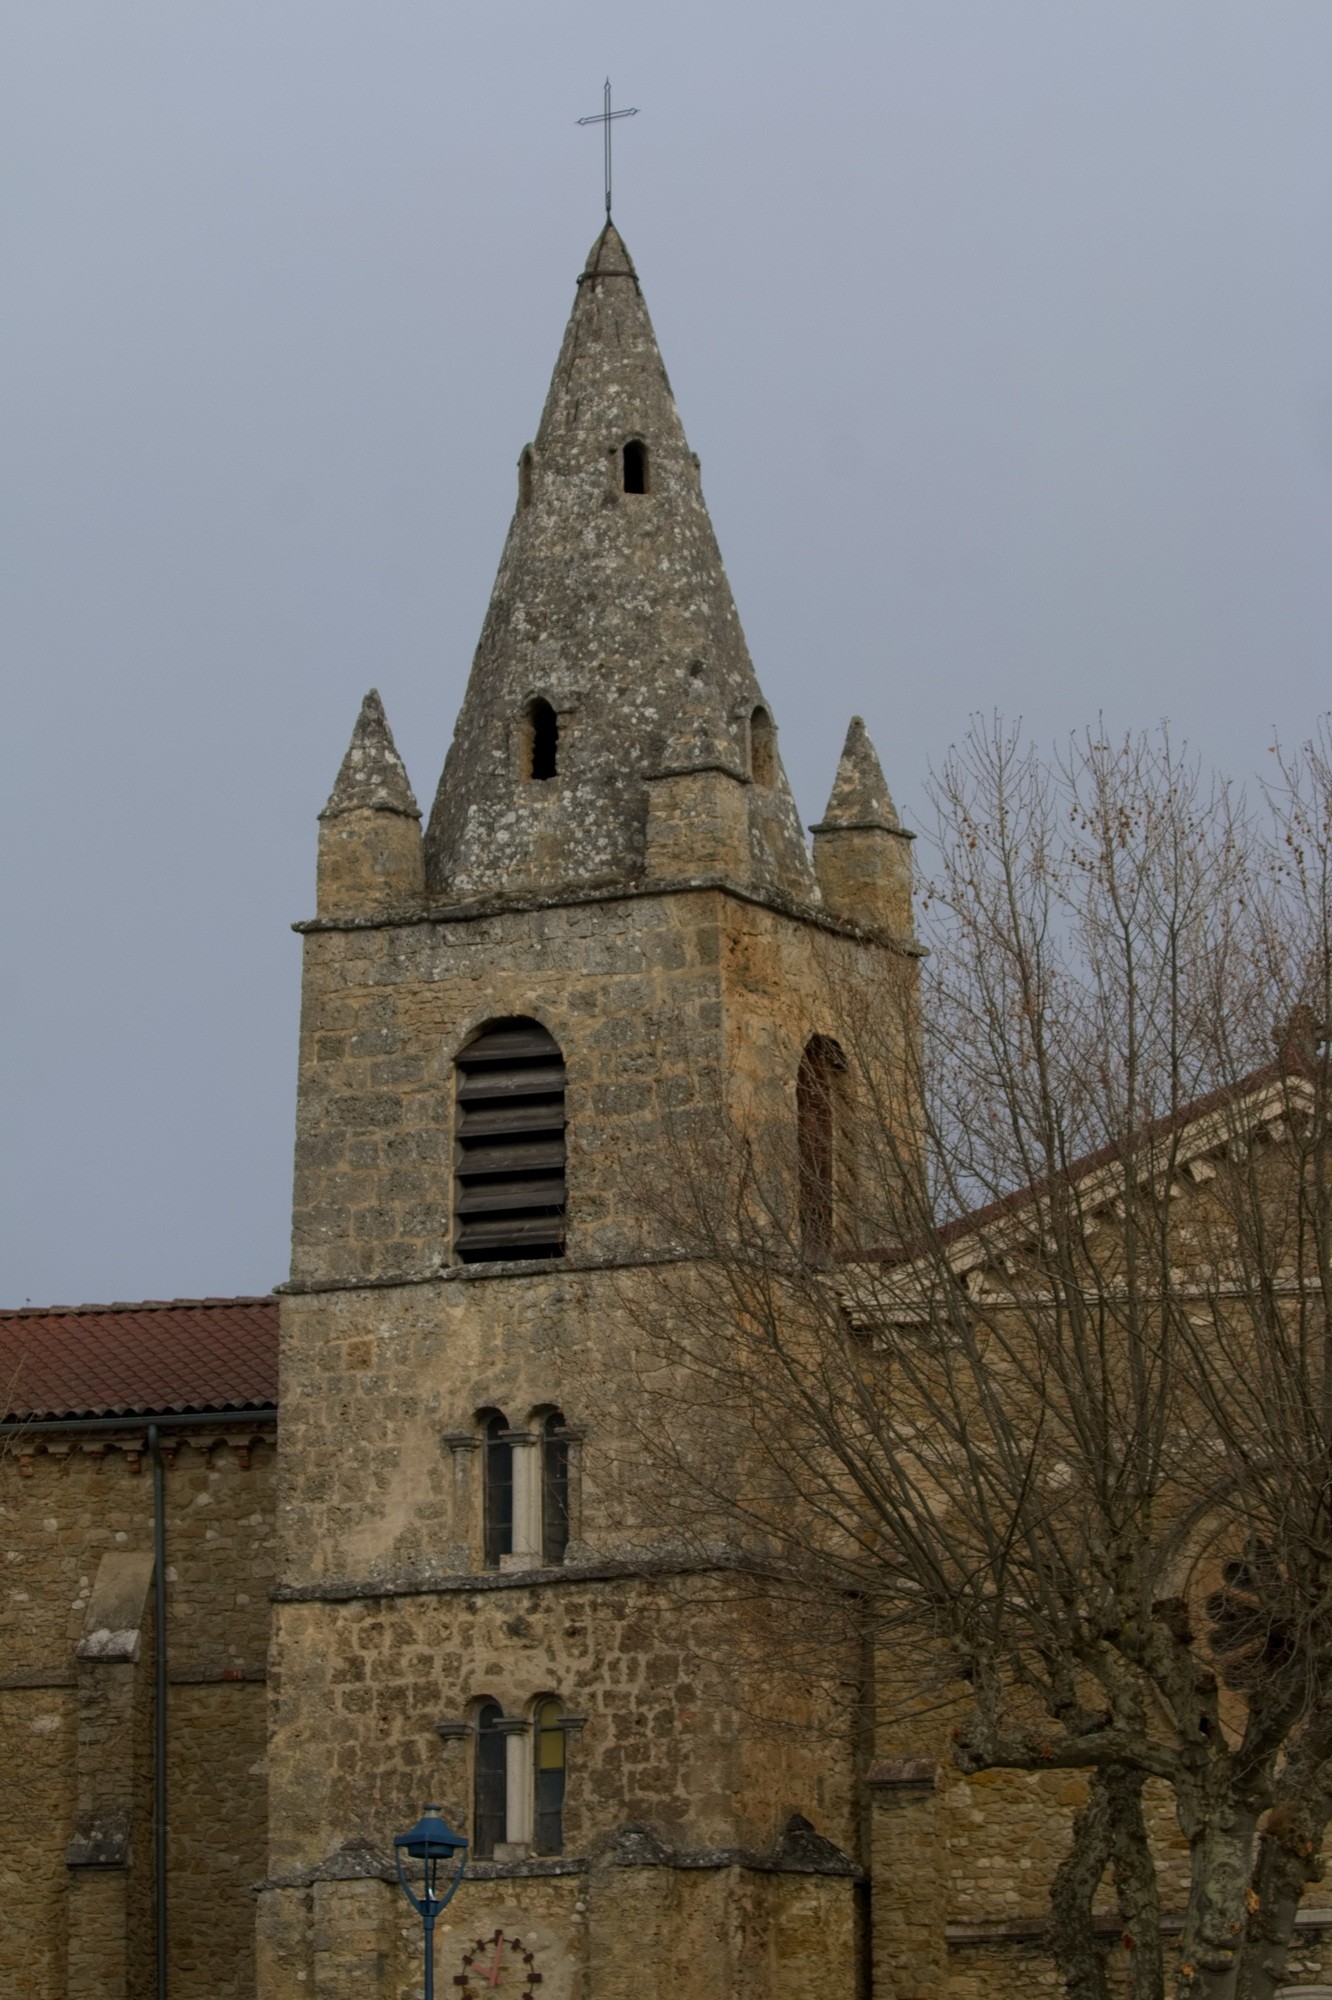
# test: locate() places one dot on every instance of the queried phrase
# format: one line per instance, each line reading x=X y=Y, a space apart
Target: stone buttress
x=615 y=921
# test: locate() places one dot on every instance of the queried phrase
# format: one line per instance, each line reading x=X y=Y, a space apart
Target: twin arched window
x=498 y=1447
x=548 y=1767
x=518 y=1779
x=490 y=1811
x=526 y=1488
x=509 y=1195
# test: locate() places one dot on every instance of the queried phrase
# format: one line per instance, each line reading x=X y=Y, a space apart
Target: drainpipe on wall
x=159 y=1715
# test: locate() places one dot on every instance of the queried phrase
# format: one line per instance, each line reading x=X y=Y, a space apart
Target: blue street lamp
x=430 y=1841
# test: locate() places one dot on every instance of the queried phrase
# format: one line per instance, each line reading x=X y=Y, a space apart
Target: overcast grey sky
x=1002 y=330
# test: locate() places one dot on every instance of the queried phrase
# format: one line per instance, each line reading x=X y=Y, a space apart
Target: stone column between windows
x=527 y=1488
x=517 y=1843
x=464 y=1551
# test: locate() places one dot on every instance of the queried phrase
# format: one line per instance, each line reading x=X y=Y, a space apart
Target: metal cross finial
x=603 y=118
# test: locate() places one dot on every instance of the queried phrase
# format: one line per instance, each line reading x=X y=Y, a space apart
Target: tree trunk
x=1073 y=1946
x=1222 y=1860
x=1136 y=1886
x=1289 y=1859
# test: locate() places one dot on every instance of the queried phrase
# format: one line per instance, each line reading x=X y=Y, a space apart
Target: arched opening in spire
x=635 y=466
x=525 y=479
x=762 y=748
x=541 y=740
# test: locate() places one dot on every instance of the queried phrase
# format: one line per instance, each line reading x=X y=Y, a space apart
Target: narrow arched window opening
x=549 y=1770
x=762 y=748
x=490 y=1805
x=635 y=466
x=542 y=740
x=554 y=1488
x=509 y=1194
x=498 y=1490
x=819 y=1088
x=525 y=479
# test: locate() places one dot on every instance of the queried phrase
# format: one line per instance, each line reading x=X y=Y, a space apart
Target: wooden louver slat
x=530 y=1079
x=509 y=1193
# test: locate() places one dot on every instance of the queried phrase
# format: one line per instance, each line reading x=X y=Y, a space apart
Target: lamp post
x=430 y=1841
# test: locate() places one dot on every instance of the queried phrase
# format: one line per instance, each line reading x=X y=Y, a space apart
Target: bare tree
x=1006 y=1330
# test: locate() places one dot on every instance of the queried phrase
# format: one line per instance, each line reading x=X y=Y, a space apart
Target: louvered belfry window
x=509 y=1157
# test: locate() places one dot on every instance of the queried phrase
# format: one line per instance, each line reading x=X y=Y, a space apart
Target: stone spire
x=370 y=856
x=698 y=739
x=373 y=777
x=859 y=794
x=611 y=601
x=698 y=822
x=862 y=855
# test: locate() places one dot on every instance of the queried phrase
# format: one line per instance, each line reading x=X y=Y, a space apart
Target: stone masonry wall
x=713 y=1933
x=385 y=1625
x=78 y=1500
x=364 y=1684
x=654 y=1000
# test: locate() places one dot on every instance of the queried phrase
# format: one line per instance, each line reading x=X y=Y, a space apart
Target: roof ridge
x=140 y=1305
x=1127 y=1146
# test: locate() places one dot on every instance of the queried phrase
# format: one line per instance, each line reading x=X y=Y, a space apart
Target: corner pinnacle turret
x=610 y=603
x=372 y=776
x=859 y=795
x=370 y=855
x=862 y=855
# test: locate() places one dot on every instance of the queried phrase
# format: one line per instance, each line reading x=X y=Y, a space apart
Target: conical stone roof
x=859 y=796
x=609 y=604
x=373 y=776
x=699 y=738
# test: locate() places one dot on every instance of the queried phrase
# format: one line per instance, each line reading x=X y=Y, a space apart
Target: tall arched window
x=509 y=1174
x=635 y=466
x=554 y=1489
x=498 y=1489
x=541 y=741
x=525 y=478
x=490 y=1805
x=820 y=1085
x=762 y=748
x=548 y=1772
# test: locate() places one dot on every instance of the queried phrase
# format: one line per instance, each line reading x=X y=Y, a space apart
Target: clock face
x=499 y=1965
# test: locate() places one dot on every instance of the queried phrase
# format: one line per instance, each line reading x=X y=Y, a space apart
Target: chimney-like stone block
x=370 y=862
x=109 y=1856
x=864 y=874
x=909 y=1937
x=697 y=825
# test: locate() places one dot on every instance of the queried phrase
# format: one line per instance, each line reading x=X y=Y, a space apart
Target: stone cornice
x=476 y=1274
x=341 y=1590
x=620 y=892
x=360 y=1865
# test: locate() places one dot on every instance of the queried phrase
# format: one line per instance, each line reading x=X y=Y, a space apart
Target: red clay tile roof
x=148 y=1359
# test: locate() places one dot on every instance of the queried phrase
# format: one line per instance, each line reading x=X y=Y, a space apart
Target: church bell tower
x=611 y=920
